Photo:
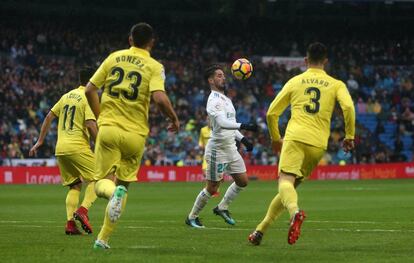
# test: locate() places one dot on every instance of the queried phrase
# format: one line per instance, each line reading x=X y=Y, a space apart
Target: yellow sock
x=275 y=209
x=72 y=201
x=105 y=188
x=288 y=196
x=108 y=227
x=90 y=195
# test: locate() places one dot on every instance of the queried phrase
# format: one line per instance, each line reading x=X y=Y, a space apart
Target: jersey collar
x=140 y=50
x=316 y=70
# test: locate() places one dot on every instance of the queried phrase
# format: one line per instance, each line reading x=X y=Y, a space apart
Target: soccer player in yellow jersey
x=312 y=96
x=129 y=79
x=73 y=152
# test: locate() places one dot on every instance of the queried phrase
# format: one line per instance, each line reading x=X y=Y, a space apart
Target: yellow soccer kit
x=312 y=96
x=127 y=77
x=73 y=151
x=205 y=134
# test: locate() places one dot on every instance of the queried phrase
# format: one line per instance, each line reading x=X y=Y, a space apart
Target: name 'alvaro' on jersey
x=312 y=96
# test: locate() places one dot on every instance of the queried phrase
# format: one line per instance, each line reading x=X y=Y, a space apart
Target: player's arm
x=277 y=107
x=90 y=123
x=92 y=128
x=164 y=105
x=160 y=98
x=43 y=132
x=348 y=110
x=97 y=81
x=217 y=112
x=91 y=93
x=240 y=138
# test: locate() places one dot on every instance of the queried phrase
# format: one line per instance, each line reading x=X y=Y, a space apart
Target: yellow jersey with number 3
x=312 y=96
x=128 y=77
x=73 y=110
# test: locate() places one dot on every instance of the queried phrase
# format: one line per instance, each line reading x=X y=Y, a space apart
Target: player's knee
x=242 y=183
x=76 y=186
x=212 y=188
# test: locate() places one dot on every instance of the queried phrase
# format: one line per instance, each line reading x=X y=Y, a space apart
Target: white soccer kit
x=221 y=151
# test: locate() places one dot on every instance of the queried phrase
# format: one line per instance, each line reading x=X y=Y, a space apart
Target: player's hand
x=174 y=126
x=249 y=127
x=277 y=146
x=348 y=145
x=247 y=144
x=33 y=150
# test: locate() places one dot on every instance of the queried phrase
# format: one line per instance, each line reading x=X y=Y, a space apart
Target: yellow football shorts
x=299 y=158
x=119 y=152
x=76 y=167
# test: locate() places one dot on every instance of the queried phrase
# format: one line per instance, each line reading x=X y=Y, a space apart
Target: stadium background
x=371 y=48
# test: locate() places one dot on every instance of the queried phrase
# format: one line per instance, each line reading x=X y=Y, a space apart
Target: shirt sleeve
x=277 y=107
x=98 y=79
x=157 y=78
x=56 y=108
x=214 y=106
x=348 y=109
x=88 y=113
x=239 y=135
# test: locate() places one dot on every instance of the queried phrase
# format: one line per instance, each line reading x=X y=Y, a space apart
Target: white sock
x=199 y=203
x=229 y=196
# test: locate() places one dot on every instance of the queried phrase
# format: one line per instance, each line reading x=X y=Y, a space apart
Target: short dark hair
x=85 y=74
x=141 y=34
x=210 y=70
x=317 y=53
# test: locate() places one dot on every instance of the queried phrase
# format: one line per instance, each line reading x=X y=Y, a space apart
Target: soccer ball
x=242 y=69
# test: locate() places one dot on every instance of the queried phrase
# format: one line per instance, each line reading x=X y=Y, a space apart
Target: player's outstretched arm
x=222 y=121
x=91 y=93
x=277 y=107
x=164 y=104
x=43 y=132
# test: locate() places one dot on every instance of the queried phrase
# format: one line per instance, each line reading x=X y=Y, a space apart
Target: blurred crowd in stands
x=39 y=63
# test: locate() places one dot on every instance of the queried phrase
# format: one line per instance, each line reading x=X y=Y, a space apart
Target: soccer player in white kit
x=221 y=151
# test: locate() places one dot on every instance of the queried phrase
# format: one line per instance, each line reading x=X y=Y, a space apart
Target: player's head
x=85 y=74
x=142 y=36
x=215 y=77
x=316 y=54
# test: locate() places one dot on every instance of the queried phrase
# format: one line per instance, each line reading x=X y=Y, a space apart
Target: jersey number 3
x=314 y=105
x=133 y=77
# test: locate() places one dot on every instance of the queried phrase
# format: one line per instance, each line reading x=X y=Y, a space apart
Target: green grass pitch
x=348 y=221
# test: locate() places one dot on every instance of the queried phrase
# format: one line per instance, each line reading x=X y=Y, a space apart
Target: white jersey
x=221 y=152
x=217 y=104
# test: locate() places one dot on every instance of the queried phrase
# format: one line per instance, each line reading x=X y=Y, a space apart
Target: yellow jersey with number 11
x=73 y=110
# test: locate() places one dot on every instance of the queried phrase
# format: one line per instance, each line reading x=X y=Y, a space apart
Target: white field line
x=215 y=220
x=226 y=229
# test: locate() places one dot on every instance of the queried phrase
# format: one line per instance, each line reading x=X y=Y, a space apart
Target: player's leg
x=72 y=201
x=213 y=178
x=107 y=161
x=237 y=170
x=126 y=173
x=201 y=201
x=85 y=164
x=70 y=179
